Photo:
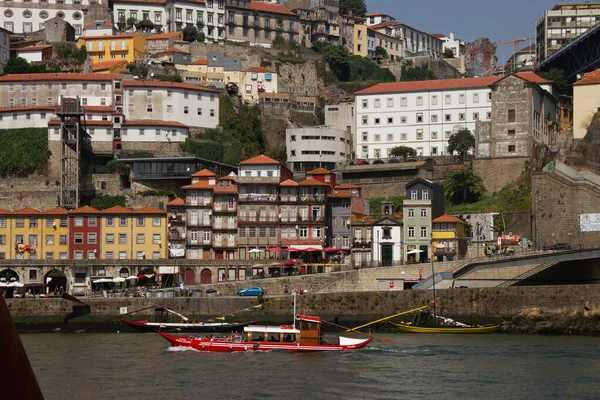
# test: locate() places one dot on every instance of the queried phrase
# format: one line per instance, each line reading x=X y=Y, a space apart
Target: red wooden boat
x=307 y=337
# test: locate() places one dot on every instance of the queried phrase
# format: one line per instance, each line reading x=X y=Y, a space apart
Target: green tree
x=201 y=37
x=557 y=76
x=23 y=151
x=380 y=51
x=448 y=53
x=190 y=33
x=358 y=7
x=17 y=66
x=102 y=202
x=409 y=73
x=145 y=25
x=131 y=21
x=464 y=186
x=122 y=25
x=403 y=151
x=82 y=54
x=461 y=142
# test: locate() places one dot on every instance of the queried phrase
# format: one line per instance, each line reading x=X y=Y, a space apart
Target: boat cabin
x=309 y=332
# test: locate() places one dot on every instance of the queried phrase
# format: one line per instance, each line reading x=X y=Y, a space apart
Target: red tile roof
x=199 y=62
x=261 y=159
x=591 y=78
x=448 y=219
x=87 y=122
x=117 y=210
x=4 y=212
x=98 y=109
x=85 y=210
x=56 y=211
x=160 y=84
x=148 y=210
x=26 y=211
x=119 y=36
x=270 y=7
x=260 y=70
x=173 y=50
x=33 y=48
x=58 y=77
x=27 y=108
x=204 y=172
x=318 y=171
x=438 y=35
x=232 y=189
x=106 y=24
x=199 y=185
x=312 y=182
x=341 y=194
x=532 y=77
x=106 y=64
x=377 y=14
x=167 y=35
x=289 y=183
x=424 y=86
x=177 y=201
x=154 y=123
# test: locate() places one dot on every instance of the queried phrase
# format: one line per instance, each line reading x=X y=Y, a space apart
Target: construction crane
x=515 y=43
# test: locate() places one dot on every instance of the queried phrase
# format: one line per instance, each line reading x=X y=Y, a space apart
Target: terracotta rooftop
x=26 y=211
x=177 y=201
x=33 y=48
x=107 y=64
x=160 y=84
x=199 y=185
x=167 y=35
x=591 y=78
x=341 y=194
x=378 y=14
x=532 y=77
x=117 y=210
x=232 y=189
x=204 y=172
x=270 y=7
x=85 y=210
x=288 y=183
x=312 y=182
x=260 y=70
x=106 y=24
x=4 y=211
x=448 y=219
x=27 y=108
x=424 y=86
x=148 y=210
x=56 y=211
x=87 y=122
x=52 y=77
x=261 y=159
x=318 y=171
x=199 y=62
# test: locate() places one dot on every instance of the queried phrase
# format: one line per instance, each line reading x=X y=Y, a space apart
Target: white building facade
x=450 y=42
x=170 y=101
x=422 y=115
x=26 y=16
x=317 y=147
x=4 y=48
x=387 y=242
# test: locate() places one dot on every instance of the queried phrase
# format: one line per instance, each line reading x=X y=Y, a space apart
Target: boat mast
x=294 y=294
x=434 y=299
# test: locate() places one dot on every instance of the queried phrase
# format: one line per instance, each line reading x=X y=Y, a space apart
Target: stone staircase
x=527 y=274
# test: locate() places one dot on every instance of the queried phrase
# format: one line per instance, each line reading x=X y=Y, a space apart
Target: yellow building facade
x=360 y=40
x=55 y=234
x=129 y=47
x=117 y=233
x=150 y=228
x=449 y=237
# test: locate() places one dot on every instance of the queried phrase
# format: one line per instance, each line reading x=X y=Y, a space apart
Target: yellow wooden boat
x=469 y=329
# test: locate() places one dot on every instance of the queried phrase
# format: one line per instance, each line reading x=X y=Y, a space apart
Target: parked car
x=251 y=291
x=560 y=246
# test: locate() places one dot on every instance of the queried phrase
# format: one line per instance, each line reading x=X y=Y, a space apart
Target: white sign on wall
x=589 y=222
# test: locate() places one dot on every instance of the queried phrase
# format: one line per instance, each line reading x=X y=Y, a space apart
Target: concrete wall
x=499 y=172
x=37 y=191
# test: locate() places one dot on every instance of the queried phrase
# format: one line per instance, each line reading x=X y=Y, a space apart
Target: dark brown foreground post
x=17 y=378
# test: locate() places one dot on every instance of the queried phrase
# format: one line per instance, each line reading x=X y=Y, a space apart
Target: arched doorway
x=189 y=277
x=205 y=276
x=9 y=278
x=8 y=275
x=124 y=273
x=54 y=280
x=147 y=277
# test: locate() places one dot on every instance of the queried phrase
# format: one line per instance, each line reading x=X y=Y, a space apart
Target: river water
x=136 y=366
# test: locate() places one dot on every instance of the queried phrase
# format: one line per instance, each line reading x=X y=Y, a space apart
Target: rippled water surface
x=142 y=366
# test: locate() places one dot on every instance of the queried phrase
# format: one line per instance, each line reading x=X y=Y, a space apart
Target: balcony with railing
x=258 y=197
x=310 y=198
x=361 y=244
x=246 y=219
x=288 y=198
x=224 y=226
x=177 y=218
x=225 y=207
x=199 y=222
x=225 y=243
x=198 y=242
x=199 y=201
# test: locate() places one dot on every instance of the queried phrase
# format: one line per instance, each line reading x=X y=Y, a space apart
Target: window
x=377 y=103
x=149 y=108
x=390 y=120
x=156 y=221
x=434 y=100
x=390 y=137
x=411 y=231
x=92 y=221
x=365 y=120
x=475 y=98
x=423 y=212
x=488 y=115
x=122 y=221
x=448 y=99
x=424 y=195
x=303 y=232
x=92 y=238
x=512 y=131
x=423 y=232
x=140 y=221
x=461 y=116
x=365 y=136
x=390 y=102
x=110 y=238
x=434 y=118
x=377 y=121
x=475 y=116
x=419 y=134
x=169 y=108
x=512 y=115
x=419 y=117
x=78 y=255
x=511 y=148
x=448 y=117
x=110 y=221
x=414 y=195
x=186 y=110
x=122 y=255
x=402 y=120
x=212 y=112
x=377 y=138
x=62 y=239
x=419 y=100
x=411 y=213
x=156 y=238
x=122 y=238
x=403 y=101
x=461 y=98
x=140 y=238
x=78 y=221
x=79 y=238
